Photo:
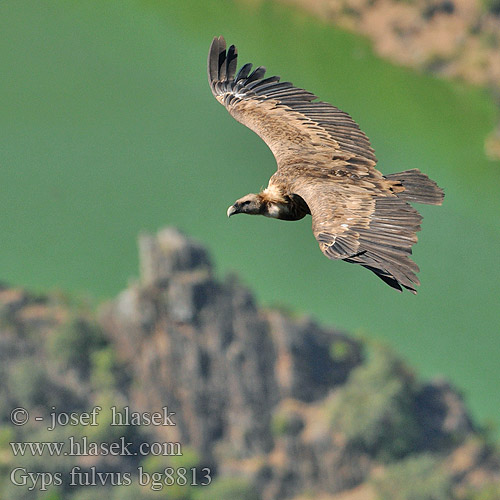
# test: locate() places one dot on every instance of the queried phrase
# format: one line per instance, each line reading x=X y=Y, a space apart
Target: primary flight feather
x=326 y=168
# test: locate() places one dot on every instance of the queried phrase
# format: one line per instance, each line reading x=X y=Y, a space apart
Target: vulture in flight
x=326 y=168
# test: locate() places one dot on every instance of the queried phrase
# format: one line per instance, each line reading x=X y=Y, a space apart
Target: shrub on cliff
x=374 y=409
x=227 y=489
x=71 y=346
x=418 y=477
x=492 y=6
x=486 y=492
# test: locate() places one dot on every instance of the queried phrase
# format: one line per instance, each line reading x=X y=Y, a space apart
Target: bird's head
x=251 y=204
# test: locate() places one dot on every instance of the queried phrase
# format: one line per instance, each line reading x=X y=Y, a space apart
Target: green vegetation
x=374 y=411
x=340 y=350
x=29 y=382
x=492 y=6
x=72 y=346
x=284 y=423
x=419 y=477
x=227 y=489
x=487 y=492
x=280 y=424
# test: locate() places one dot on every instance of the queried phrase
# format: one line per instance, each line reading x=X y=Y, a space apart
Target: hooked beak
x=231 y=210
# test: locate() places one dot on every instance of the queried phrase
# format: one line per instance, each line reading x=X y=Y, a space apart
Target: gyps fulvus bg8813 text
x=326 y=168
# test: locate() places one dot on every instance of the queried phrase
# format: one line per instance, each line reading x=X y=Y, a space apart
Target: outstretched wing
x=287 y=118
x=358 y=223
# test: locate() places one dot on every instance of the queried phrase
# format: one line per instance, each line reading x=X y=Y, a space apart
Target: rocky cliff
x=276 y=406
x=288 y=405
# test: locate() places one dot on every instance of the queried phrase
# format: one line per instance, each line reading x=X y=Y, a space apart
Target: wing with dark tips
x=289 y=119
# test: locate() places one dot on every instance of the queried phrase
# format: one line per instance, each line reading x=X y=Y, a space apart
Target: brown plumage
x=326 y=168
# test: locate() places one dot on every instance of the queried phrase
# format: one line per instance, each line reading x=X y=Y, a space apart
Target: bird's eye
x=247 y=202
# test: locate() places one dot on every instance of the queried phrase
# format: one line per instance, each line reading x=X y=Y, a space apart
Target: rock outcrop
x=206 y=349
x=276 y=406
x=255 y=390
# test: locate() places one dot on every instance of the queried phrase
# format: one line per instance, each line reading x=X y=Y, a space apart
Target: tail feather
x=418 y=188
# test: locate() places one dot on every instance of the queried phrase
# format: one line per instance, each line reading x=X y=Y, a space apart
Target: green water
x=109 y=128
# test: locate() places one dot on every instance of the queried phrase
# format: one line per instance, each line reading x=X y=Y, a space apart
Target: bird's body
x=326 y=168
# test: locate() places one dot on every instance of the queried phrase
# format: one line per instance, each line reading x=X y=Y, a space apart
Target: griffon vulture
x=326 y=168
